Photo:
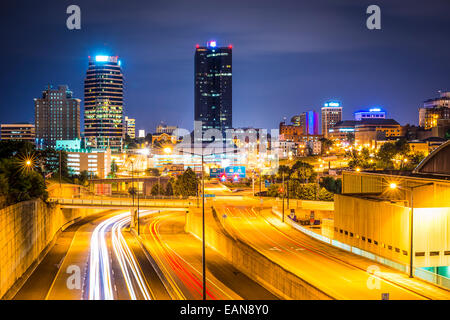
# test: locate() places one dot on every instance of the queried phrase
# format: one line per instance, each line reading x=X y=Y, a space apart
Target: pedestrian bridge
x=122 y=203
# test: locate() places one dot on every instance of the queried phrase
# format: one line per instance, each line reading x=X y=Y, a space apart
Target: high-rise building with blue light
x=309 y=121
x=213 y=87
x=103 y=103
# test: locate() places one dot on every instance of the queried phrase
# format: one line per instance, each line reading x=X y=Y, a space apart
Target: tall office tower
x=331 y=114
x=434 y=110
x=103 y=103
x=213 y=87
x=130 y=127
x=309 y=121
x=57 y=116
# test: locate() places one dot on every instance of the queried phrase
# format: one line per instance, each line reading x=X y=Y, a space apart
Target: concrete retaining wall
x=27 y=230
x=248 y=260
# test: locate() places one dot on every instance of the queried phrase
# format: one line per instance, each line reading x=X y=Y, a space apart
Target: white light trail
x=100 y=284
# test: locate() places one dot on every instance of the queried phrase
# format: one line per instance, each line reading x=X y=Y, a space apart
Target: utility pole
x=203 y=231
x=138 y=209
x=282 y=189
x=132 y=187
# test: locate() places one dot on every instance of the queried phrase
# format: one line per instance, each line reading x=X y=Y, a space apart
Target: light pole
x=203 y=217
x=132 y=188
x=411 y=221
x=282 y=190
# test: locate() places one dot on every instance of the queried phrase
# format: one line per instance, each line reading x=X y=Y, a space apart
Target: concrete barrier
x=27 y=231
x=248 y=260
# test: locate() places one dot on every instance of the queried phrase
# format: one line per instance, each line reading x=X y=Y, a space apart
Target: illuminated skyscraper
x=103 y=103
x=213 y=87
x=331 y=114
x=309 y=121
x=57 y=116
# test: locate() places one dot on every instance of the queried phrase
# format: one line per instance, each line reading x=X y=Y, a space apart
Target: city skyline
x=162 y=85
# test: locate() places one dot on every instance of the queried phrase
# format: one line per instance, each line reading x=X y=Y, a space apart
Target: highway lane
x=111 y=264
x=179 y=256
x=37 y=286
x=303 y=257
x=100 y=275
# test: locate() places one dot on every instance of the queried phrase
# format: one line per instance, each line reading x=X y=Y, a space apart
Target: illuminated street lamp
x=394 y=186
x=203 y=215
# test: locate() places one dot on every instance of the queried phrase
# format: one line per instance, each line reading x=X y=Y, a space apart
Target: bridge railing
x=123 y=203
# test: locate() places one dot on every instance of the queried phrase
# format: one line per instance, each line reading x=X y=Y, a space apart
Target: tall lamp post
x=411 y=220
x=132 y=188
x=203 y=213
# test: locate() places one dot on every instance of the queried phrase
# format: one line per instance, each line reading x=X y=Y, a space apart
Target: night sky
x=288 y=56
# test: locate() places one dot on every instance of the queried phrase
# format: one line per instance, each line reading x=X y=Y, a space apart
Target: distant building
x=130 y=127
x=57 y=116
x=97 y=162
x=213 y=87
x=372 y=113
x=309 y=121
x=341 y=130
x=103 y=103
x=288 y=129
x=331 y=114
x=435 y=109
x=163 y=128
x=368 y=131
x=18 y=132
x=141 y=133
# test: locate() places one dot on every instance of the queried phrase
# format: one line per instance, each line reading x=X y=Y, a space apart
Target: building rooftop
x=375 y=121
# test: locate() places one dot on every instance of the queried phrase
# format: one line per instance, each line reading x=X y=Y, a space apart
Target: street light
x=203 y=216
x=394 y=186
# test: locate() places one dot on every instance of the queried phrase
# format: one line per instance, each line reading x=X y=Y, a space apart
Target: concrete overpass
x=124 y=203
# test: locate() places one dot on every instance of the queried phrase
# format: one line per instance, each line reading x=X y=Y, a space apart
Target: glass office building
x=213 y=87
x=103 y=103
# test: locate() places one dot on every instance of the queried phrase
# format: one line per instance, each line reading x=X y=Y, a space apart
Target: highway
x=111 y=264
x=165 y=262
x=178 y=254
x=340 y=274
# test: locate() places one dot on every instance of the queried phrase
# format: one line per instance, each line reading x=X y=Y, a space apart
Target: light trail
x=184 y=271
x=100 y=284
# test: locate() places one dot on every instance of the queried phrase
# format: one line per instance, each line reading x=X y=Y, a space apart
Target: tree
x=187 y=183
x=303 y=171
x=11 y=148
x=273 y=190
x=350 y=137
x=325 y=195
x=18 y=185
x=50 y=158
x=153 y=172
x=326 y=144
x=156 y=189
x=386 y=155
x=331 y=184
x=169 y=189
